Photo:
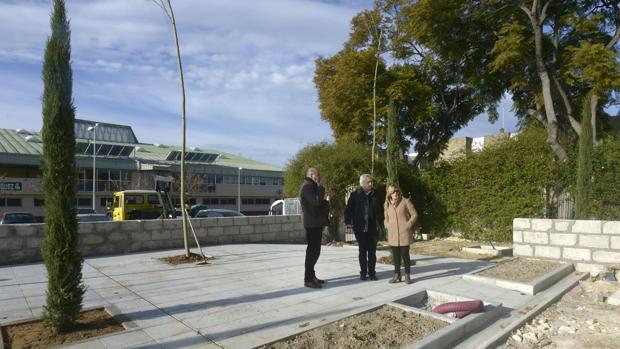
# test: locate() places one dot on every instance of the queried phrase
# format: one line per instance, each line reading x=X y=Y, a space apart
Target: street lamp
x=93 y=129
x=239 y=190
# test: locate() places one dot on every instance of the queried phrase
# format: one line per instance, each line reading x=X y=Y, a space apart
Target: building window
x=211 y=201
x=192 y=201
x=247 y=201
x=38 y=202
x=105 y=202
x=13 y=202
x=228 y=201
x=84 y=202
x=261 y=202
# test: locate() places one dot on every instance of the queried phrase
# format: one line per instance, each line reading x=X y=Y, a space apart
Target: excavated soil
x=520 y=269
x=182 y=259
x=91 y=323
x=386 y=327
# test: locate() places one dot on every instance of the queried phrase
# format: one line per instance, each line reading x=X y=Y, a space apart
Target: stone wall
x=22 y=243
x=591 y=246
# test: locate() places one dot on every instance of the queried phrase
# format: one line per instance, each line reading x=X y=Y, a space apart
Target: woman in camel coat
x=400 y=217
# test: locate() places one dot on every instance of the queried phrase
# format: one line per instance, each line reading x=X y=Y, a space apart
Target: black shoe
x=373 y=277
x=363 y=277
x=312 y=284
x=319 y=281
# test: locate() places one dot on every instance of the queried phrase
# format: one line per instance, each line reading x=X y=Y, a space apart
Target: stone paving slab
x=249 y=295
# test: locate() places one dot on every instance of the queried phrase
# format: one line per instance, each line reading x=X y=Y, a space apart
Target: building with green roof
x=213 y=177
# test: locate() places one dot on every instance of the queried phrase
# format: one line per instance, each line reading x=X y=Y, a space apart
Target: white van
x=285 y=207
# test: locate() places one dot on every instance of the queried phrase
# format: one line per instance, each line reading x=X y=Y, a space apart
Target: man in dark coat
x=361 y=216
x=315 y=210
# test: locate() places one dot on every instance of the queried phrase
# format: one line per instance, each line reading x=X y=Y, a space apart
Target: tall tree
x=167 y=8
x=584 y=166
x=394 y=154
x=60 y=244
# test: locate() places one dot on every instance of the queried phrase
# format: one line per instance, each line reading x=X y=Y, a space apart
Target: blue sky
x=248 y=68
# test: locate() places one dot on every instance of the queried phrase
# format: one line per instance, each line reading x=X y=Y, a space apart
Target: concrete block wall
x=590 y=245
x=21 y=243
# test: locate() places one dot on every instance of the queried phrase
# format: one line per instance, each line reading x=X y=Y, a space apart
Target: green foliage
x=393 y=149
x=584 y=166
x=60 y=245
x=605 y=188
x=340 y=166
x=480 y=194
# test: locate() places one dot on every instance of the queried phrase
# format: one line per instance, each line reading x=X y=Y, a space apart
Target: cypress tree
x=60 y=245
x=393 y=148
x=584 y=164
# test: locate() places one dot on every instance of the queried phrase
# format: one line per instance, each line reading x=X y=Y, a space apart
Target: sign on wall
x=10 y=186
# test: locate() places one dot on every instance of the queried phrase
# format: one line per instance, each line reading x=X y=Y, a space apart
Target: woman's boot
x=395 y=278
x=408 y=279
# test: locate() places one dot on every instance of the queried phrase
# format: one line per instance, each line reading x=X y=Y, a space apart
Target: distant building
x=122 y=162
x=458 y=146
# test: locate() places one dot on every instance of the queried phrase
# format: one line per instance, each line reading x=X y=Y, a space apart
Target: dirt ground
x=450 y=247
x=90 y=324
x=182 y=259
x=520 y=270
x=386 y=327
x=581 y=319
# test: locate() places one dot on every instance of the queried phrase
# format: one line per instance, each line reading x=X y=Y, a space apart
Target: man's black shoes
x=363 y=277
x=373 y=277
x=312 y=284
x=318 y=281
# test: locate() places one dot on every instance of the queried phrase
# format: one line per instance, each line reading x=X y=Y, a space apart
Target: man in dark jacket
x=315 y=211
x=360 y=215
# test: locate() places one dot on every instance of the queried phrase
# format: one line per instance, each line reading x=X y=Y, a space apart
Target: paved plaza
x=249 y=295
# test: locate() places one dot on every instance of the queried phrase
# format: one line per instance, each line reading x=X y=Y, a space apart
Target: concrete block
x=593 y=269
x=7 y=231
x=255 y=238
x=241 y=220
x=120 y=236
x=255 y=220
x=92 y=239
x=542 y=224
x=275 y=228
x=131 y=226
x=141 y=236
x=25 y=230
x=548 y=252
x=562 y=239
x=107 y=227
x=269 y=219
x=34 y=242
x=269 y=237
x=596 y=241
x=522 y=250
x=615 y=242
x=201 y=232
x=288 y=226
x=561 y=225
x=152 y=224
x=241 y=239
x=520 y=223
x=231 y=230
x=161 y=235
x=614 y=299
x=215 y=231
x=281 y=219
x=612 y=228
x=282 y=236
x=208 y=222
x=517 y=236
x=86 y=227
x=576 y=254
x=12 y=243
x=606 y=257
x=225 y=221
x=587 y=227
x=224 y=239
x=172 y=224
x=535 y=237
x=246 y=229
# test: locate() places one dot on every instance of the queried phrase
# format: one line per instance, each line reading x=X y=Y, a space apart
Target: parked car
x=84 y=210
x=93 y=217
x=17 y=218
x=218 y=212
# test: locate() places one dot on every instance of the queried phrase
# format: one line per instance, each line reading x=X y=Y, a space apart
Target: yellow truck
x=143 y=204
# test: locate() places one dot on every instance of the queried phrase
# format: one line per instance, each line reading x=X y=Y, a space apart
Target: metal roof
x=15 y=149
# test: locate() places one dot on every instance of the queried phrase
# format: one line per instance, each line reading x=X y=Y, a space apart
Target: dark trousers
x=313 y=251
x=367 y=245
x=398 y=253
